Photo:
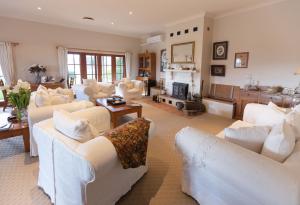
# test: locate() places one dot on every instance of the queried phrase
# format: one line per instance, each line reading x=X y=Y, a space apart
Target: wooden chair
x=4 y=92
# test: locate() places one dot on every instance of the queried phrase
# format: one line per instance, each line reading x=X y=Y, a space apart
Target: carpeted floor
x=160 y=186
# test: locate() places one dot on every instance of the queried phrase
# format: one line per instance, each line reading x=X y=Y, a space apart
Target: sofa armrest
x=263 y=179
x=259 y=114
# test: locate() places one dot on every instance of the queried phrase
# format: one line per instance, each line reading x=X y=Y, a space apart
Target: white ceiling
x=149 y=16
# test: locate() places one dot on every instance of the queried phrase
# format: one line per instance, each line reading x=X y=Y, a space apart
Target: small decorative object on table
x=19 y=98
x=37 y=69
x=116 y=100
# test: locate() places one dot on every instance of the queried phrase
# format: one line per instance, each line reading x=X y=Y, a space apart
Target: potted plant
x=37 y=69
x=19 y=98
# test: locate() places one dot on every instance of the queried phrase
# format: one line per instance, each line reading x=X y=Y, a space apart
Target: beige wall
x=38 y=44
x=272 y=36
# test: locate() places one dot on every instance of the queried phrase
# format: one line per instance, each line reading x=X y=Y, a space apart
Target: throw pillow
x=280 y=143
x=59 y=99
x=42 y=98
x=89 y=82
x=130 y=85
x=251 y=138
x=73 y=127
x=42 y=88
x=293 y=118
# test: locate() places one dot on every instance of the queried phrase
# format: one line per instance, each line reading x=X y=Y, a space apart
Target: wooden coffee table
x=116 y=111
x=17 y=129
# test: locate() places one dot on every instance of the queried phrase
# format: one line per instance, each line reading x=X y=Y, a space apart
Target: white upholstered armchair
x=130 y=89
x=216 y=171
x=91 y=90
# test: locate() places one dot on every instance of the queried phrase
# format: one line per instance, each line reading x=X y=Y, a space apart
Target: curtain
x=128 y=64
x=63 y=63
x=6 y=62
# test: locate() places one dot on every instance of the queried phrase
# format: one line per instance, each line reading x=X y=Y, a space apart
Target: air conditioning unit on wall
x=153 y=40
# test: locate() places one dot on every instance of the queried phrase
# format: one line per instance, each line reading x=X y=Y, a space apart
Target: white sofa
x=77 y=173
x=37 y=114
x=93 y=90
x=216 y=171
x=130 y=89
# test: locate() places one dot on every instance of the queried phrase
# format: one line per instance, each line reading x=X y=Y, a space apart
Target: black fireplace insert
x=180 y=90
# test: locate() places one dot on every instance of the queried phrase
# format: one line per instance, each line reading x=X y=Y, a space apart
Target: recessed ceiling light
x=112 y=23
x=88 y=18
x=130 y=12
x=39 y=8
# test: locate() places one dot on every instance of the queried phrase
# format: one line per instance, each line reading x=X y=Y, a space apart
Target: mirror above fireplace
x=183 y=52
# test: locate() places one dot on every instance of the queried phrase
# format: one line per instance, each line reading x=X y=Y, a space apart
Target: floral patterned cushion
x=131 y=141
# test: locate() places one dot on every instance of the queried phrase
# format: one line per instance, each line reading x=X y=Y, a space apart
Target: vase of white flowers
x=19 y=97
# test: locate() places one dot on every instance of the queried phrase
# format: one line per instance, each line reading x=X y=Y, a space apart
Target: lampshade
x=297 y=71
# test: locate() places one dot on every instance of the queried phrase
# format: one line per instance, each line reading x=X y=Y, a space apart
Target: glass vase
x=21 y=115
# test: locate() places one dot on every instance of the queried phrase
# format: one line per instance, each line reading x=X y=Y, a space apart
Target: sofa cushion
x=42 y=98
x=251 y=138
x=236 y=124
x=76 y=128
x=280 y=142
x=293 y=118
x=59 y=99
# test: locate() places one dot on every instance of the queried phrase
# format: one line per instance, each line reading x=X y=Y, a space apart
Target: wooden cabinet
x=247 y=97
x=147 y=65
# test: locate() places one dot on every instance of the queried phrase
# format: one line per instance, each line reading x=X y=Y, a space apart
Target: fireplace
x=180 y=90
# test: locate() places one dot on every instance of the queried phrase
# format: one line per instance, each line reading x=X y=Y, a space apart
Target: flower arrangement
x=37 y=69
x=19 y=97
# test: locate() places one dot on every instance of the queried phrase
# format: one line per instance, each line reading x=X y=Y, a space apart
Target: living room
x=109 y=103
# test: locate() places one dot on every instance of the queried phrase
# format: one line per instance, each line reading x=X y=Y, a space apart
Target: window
x=91 y=67
x=106 y=68
x=74 y=67
x=120 y=64
x=102 y=67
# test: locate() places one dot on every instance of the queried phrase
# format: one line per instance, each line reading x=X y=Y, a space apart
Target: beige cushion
x=42 y=98
x=130 y=85
x=251 y=138
x=59 y=99
x=73 y=127
x=88 y=82
x=280 y=143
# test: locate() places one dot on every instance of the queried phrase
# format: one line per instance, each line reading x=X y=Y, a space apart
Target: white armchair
x=37 y=114
x=77 y=173
x=216 y=171
x=93 y=91
x=131 y=89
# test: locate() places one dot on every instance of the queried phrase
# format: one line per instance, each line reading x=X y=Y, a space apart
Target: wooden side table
x=18 y=129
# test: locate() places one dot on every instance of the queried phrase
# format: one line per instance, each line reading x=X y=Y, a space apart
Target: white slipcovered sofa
x=91 y=90
x=75 y=173
x=37 y=114
x=130 y=89
x=216 y=171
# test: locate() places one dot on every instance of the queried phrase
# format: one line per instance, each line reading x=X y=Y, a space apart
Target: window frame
x=98 y=65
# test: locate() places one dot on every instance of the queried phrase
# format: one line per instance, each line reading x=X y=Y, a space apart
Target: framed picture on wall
x=220 y=50
x=163 y=60
x=217 y=70
x=241 y=60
